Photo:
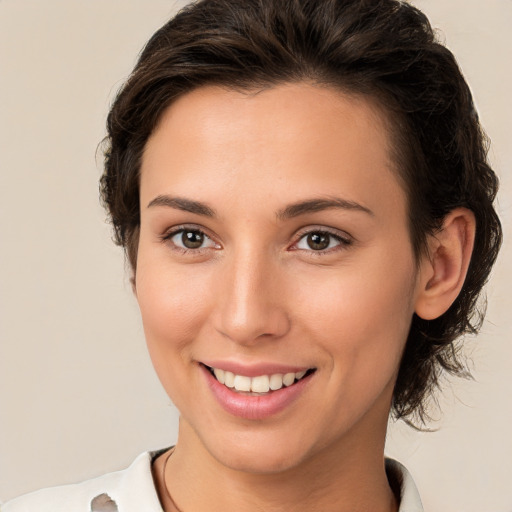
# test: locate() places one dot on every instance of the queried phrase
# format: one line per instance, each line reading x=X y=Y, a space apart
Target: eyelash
x=169 y=235
x=342 y=241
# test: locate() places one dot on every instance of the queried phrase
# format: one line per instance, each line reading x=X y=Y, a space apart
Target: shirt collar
x=138 y=487
x=410 y=500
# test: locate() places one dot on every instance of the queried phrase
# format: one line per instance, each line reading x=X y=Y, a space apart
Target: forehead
x=297 y=110
x=306 y=138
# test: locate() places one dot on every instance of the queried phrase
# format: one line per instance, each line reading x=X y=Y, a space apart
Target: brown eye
x=322 y=242
x=318 y=241
x=192 y=239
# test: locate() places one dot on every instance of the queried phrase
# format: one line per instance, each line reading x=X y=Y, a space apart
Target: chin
x=262 y=451
x=255 y=460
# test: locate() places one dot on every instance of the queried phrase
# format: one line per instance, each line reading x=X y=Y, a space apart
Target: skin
x=255 y=291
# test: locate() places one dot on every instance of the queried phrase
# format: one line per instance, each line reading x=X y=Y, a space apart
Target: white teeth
x=276 y=381
x=259 y=384
x=288 y=379
x=242 y=383
x=219 y=374
x=229 y=379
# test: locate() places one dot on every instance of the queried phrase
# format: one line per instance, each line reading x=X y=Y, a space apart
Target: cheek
x=173 y=302
x=362 y=312
x=174 y=305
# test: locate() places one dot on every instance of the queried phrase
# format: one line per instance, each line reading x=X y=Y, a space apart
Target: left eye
x=191 y=239
x=319 y=241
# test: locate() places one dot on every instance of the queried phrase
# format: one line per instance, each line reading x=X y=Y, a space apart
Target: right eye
x=189 y=239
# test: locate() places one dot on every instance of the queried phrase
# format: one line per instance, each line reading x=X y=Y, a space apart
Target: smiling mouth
x=259 y=385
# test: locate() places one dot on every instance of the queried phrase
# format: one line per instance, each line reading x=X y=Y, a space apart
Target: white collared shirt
x=133 y=490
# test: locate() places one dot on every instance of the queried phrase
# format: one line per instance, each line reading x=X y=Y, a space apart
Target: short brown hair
x=382 y=48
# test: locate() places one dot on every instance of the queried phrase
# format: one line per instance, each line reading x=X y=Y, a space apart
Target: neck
x=348 y=477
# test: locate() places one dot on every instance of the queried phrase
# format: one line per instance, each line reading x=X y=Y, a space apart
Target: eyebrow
x=186 y=205
x=290 y=211
x=317 y=205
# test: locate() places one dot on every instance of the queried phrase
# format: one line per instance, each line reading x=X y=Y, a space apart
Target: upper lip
x=254 y=369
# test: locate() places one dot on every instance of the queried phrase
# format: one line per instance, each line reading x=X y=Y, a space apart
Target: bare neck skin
x=347 y=477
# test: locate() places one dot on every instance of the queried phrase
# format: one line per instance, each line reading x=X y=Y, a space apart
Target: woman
x=302 y=192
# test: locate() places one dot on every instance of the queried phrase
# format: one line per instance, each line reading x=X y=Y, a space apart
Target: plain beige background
x=78 y=396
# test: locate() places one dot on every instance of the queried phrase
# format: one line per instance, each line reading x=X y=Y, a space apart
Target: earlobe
x=444 y=269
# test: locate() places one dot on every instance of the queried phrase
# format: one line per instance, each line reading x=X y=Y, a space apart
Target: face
x=275 y=274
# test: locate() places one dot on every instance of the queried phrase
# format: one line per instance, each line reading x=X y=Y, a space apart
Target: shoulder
x=128 y=490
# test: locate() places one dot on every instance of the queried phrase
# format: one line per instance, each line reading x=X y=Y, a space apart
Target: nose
x=251 y=305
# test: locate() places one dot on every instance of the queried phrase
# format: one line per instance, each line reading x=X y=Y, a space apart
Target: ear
x=444 y=268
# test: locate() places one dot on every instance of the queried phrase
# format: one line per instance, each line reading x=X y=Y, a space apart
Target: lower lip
x=254 y=407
